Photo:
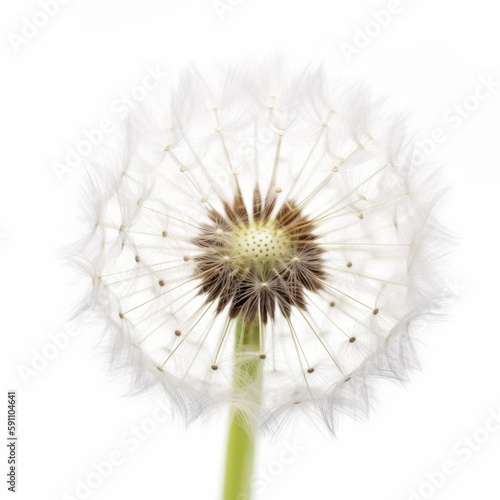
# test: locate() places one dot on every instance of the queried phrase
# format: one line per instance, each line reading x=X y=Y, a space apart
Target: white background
x=67 y=77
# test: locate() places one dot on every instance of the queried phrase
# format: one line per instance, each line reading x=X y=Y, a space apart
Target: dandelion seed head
x=281 y=200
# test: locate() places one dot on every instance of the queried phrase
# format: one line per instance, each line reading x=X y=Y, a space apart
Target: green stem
x=247 y=386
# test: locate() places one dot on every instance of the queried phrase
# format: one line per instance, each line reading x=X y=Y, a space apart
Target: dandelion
x=263 y=243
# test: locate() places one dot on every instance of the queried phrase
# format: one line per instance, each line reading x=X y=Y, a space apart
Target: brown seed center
x=259 y=262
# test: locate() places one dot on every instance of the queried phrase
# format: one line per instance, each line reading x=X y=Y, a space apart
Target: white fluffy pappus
x=281 y=199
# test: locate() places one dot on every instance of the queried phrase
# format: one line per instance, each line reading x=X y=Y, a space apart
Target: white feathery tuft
x=345 y=163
